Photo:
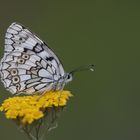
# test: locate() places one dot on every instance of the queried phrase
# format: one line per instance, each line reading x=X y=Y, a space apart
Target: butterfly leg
x=41 y=95
x=61 y=89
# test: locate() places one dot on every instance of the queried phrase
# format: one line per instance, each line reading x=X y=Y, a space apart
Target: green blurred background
x=106 y=33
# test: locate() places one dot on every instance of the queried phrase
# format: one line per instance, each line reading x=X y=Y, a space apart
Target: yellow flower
x=27 y=109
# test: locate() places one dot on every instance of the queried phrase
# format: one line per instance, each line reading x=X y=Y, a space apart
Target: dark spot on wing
x=25 y=49
x=49 y=58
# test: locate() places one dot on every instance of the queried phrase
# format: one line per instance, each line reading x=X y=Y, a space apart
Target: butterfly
x=29 y=65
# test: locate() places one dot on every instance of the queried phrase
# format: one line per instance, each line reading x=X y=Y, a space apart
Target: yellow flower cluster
x=30 y=108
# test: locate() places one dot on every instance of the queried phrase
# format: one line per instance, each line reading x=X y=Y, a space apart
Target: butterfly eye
x=14 y=72
x=21 y=61
x=15 y=79
x=68 y=77
x=25 y=56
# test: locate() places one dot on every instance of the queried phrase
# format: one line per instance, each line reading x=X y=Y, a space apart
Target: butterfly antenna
x=83 y=68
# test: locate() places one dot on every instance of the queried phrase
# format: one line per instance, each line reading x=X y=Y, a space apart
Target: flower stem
x=30 y=136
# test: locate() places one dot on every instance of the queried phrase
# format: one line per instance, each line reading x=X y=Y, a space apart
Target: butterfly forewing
x=28 y=64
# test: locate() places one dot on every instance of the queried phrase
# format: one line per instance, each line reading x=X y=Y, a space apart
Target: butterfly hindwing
x=28 y=65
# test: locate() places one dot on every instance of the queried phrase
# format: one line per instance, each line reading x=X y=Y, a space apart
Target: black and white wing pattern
x=28 y=64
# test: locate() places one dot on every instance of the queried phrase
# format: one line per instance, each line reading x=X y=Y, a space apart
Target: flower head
x=27 y=109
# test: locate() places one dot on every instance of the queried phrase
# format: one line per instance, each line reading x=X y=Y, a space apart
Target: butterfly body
x=29 y=65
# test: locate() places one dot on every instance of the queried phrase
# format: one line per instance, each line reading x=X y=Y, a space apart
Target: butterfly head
x=68 y=77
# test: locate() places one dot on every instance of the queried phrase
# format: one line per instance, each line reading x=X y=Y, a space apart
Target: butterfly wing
x=28 y=64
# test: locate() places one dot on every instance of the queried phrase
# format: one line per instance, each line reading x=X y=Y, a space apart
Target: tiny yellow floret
x=30 y=108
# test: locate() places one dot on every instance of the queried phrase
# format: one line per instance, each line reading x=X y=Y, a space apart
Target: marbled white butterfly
x=29 y=65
